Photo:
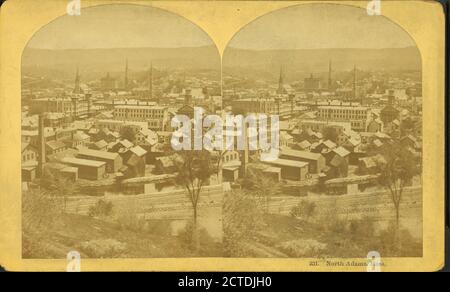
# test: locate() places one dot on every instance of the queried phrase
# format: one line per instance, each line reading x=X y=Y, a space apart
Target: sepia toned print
x=139 y=140
x=347 y=88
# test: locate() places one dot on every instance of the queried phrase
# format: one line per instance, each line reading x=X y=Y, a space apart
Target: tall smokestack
x=292 y=100
x=329 y=76
x=150 y=82
x=41 y=146
x=74 y=107
x=188 y=97
x=126 y=75
x=244 y=153
x=354 y=82
x=88 y=99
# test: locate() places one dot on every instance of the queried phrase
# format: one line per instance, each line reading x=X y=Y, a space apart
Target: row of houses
x=94 y=153
x=91 y=164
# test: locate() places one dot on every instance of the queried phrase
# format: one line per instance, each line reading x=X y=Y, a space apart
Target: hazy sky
x=119 y=26
x=313 y=26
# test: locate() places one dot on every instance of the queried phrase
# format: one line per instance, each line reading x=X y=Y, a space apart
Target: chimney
x=292 y=98
x=354 y=83
x=244 y=158
x=41 y=146
x=88 y=99
x=126 y=75
x=150 y=82
x=74 y=108
x=391 y=97
x=188 y=97
x=329 y=76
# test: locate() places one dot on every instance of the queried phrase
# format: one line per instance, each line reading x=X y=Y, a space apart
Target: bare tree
x=396 y=172
x=194 y=169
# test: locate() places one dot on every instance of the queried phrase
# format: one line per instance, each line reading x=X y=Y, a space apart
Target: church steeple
x=280 y=89
x=77 y=88
x=125 y=82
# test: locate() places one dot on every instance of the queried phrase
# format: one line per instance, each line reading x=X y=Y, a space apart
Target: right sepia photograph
x=346 y=88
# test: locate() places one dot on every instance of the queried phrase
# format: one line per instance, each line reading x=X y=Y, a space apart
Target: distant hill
x=93 y=63
x=306 y=60
x=102 y=60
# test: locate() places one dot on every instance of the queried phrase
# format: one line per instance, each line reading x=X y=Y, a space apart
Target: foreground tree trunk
x=396 y=195
x=397 y=217
x=195 y=231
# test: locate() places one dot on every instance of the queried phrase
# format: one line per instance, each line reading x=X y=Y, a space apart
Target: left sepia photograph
x=98 y=94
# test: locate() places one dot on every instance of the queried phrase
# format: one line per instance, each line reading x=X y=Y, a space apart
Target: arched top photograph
x=309 y=40
x=115 y=48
